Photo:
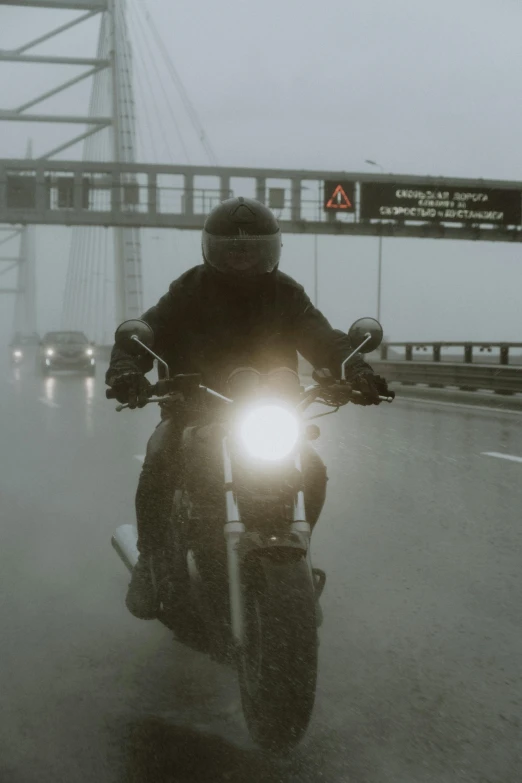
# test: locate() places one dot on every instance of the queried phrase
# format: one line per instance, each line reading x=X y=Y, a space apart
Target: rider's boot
x=142 y=599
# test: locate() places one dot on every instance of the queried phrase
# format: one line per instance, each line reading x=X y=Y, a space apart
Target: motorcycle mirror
x=130 y=332
x=367 y=331
x=134 y=328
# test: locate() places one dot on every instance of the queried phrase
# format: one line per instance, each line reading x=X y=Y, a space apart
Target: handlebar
x=122 y=406
x=165 y=386
x=160 y=391
x=314 y=391
x=381 y=397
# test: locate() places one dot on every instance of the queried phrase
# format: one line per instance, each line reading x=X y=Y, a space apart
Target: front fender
x=288 y=546
x=256 y=559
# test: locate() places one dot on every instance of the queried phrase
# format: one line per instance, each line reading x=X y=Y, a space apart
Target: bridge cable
x=139 y=75
x=160 y=80
x=106 y=282
x=196 y=122
x=95 y=150
x=76 y=264
x=81 y=296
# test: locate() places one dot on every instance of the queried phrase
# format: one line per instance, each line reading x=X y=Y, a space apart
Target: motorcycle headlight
x=89 y=352
x=49 y=352
x=269 y=432
x=18 y=354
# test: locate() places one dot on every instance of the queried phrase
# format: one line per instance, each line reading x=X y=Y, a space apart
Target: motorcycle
x=234 y=578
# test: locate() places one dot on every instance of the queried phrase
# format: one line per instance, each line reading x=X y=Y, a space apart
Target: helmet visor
x=242 y=256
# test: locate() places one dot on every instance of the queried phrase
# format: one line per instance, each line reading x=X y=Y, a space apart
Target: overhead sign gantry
x=448 y=203
x=313 y=202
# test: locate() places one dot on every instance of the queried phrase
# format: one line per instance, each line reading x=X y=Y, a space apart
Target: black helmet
x=241 y=238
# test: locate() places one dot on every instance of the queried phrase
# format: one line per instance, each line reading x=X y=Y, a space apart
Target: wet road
x=421 y=648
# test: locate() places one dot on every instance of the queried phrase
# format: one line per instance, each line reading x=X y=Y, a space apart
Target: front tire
x=278 y=663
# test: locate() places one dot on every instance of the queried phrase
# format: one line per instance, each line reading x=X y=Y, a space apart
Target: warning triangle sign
x=339 y=199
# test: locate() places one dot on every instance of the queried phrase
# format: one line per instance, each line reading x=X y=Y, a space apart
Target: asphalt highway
x=421 y=648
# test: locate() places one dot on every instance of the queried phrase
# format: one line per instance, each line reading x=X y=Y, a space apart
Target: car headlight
x=49 y=352
x=89 y=352
x=269 y=432
x=18 y=354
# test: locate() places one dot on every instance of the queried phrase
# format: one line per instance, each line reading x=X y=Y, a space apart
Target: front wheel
x=278 y=662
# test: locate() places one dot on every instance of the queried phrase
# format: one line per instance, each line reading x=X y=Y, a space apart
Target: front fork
x=235 y=529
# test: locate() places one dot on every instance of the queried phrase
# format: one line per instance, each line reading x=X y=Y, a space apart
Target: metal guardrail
x=501 y=379
x=469 y=349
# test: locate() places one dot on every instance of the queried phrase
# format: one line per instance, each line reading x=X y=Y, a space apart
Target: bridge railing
x=501 y=379
x=466 y=366
x=474 y=366
x=469 y=352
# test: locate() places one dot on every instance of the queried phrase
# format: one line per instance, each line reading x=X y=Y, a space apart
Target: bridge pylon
x=23 y=261
x=87 y=301
x=109 y=135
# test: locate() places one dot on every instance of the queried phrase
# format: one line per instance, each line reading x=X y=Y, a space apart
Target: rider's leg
x=156 y=485
x=154 y=498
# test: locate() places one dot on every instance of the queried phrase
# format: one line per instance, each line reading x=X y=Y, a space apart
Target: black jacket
x=205 y=325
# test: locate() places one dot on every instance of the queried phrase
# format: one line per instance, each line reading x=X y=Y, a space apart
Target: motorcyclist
x=234 y=310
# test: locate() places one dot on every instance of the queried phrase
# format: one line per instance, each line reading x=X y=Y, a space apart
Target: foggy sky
x=422 y=88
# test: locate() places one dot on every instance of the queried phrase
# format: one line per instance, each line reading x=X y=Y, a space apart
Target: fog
x=422 y=89
x=405 y=668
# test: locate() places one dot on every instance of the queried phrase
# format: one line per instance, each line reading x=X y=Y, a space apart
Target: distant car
x=23 y=347
x=66 y=351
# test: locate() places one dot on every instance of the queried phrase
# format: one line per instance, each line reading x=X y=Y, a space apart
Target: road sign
x=440 y=204
x=339 y=196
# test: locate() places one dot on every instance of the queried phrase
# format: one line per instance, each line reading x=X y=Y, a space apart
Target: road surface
x=421 y=648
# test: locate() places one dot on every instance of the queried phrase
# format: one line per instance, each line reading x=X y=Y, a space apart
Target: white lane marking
x=488 y=408
x=139 y=457
x=49 y=403
x=498 y=455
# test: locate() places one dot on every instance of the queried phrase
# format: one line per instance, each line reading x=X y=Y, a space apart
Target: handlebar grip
x=110 y=394
x=381 y=397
